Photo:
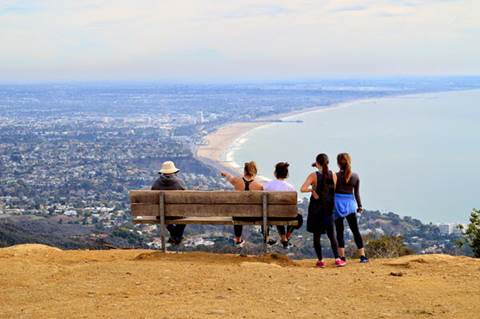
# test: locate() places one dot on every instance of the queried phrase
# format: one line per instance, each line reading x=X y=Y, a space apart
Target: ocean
x=416 y=155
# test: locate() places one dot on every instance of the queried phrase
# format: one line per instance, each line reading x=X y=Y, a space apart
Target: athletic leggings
x=237 y=229
x=353 y=223
x=281 y=229
x=289 y=229
x=333 y=243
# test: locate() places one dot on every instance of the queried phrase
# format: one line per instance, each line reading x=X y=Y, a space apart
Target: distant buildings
x=450 y=228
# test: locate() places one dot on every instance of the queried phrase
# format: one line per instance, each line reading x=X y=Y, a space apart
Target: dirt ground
x=42 y=282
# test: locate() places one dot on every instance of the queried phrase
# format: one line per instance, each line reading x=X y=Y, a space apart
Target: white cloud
x=192 y=39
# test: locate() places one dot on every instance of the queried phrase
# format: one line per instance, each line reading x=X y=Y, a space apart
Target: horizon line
x=239 y=81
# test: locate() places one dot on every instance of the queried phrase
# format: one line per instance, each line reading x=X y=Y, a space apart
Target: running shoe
x=340 y=263
x=271 y=242
x=320 y=264
x=285 y=244
x=239 y=243
x=363 y=259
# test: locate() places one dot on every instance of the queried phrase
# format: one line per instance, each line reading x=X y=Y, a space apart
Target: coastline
x=228 y=137
x=219 y=143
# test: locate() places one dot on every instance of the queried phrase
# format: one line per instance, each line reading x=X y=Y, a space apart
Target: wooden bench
x=213 y=207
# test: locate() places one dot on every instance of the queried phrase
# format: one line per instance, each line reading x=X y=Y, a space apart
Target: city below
x=69 y=154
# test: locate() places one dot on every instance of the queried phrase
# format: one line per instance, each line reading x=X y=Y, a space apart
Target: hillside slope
x=42 y=282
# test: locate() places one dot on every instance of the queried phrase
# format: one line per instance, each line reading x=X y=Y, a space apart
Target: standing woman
x=320 y=209
x=347 y=204
x=243 y=183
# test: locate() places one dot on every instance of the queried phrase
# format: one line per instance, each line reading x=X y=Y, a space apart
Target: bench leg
x=265 y=237
x=161 y=233
x=162 y=221
x=265 y=223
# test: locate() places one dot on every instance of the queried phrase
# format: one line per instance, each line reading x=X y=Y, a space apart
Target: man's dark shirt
x=168 y=182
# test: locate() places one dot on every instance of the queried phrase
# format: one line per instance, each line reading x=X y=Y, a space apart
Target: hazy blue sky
x=228 y=40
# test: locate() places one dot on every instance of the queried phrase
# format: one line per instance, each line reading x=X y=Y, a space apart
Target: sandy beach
x=219 y=143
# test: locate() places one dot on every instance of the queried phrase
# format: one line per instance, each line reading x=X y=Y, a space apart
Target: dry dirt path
x=42 y=282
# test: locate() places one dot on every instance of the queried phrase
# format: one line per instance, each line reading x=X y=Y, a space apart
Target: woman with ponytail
x=320 y=209
x=347 y=204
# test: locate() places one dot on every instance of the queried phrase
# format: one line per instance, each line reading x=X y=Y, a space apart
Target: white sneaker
x=239 y=244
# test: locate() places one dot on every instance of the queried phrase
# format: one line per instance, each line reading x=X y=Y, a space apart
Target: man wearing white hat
x=169 y=180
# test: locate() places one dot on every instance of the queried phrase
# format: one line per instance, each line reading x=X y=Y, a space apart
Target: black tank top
x=247 y=184
x=325 y=188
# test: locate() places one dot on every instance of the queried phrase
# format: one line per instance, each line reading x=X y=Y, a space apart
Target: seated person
x=168 y=180
x=280 y=185
x=243 y=183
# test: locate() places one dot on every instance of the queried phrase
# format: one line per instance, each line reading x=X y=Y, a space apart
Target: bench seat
x=211 y=221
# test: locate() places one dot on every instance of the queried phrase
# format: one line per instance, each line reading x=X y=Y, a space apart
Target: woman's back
x=344 y=187
x=278 y=186
x=325 y=188
x=352 y=186
x=242 y=184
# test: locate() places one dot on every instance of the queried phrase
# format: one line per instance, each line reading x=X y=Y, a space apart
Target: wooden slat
x=144 y=196
x=203 y=220
x=288 y=222
x=212 y=197
x=210 y=221
x=145 y=210
x=200 y=210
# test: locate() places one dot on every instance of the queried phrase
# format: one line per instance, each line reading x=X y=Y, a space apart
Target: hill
x=43 y=282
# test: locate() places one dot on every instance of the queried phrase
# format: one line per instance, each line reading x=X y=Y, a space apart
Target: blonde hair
x=344 y=161
x=250 y=169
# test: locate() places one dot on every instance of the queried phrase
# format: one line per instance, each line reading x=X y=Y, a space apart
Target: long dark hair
x=344 y=161
x=322 y=160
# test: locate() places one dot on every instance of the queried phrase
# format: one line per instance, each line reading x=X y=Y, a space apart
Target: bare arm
x=357 y=196
x=229 y=177
x=308 y=185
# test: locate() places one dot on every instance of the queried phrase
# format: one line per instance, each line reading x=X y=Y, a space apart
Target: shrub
x=387 y=247
x=472 y=233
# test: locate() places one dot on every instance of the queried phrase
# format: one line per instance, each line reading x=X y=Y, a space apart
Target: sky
x=202 y=40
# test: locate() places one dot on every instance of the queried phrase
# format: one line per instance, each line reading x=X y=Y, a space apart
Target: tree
x=472 y=233
x=387 y=247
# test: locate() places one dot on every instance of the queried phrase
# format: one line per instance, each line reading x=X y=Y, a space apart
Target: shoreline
x=220 y=142
x=227 y=137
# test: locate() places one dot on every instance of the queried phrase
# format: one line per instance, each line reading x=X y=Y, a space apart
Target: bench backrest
x=213 y=203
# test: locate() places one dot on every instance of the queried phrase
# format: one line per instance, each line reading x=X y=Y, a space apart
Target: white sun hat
x=168 y=167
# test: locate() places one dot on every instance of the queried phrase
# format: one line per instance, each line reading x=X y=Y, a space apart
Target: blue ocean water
x=417 y=155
